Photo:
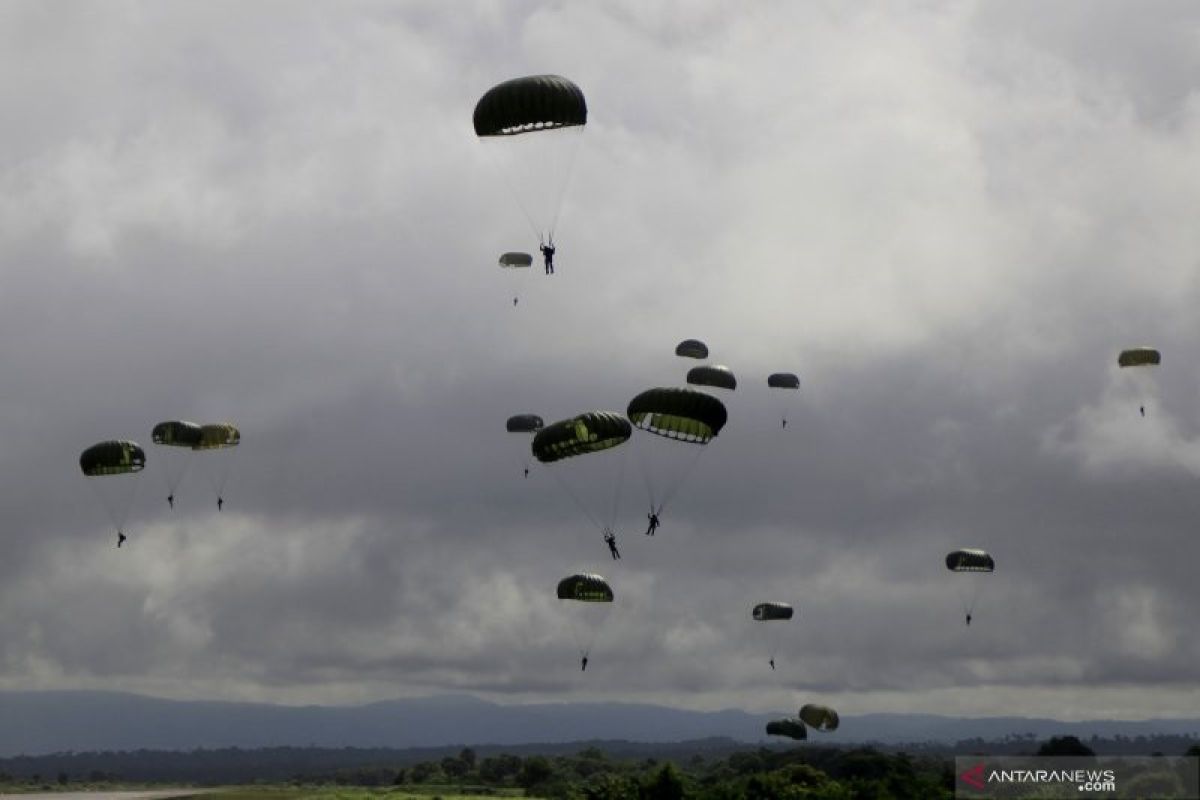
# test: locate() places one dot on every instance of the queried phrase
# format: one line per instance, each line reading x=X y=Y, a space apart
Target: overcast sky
x=947 y=218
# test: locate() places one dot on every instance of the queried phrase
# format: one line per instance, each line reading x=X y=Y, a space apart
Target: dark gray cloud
x=945 y=219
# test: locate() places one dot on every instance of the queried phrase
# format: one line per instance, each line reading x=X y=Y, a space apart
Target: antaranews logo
x=1108 y=777
x=973 y=777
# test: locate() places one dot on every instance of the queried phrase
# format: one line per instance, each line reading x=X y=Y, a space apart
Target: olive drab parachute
x=589 y=471
x=532 y=125
x=771 y=612
x=591 y=432
x=179 y=438
x=595 y=598
x=692 y=348
x=1142 y=380
x=1139 y=357
x=114 y=457
x=714 y=375
x=524 y=423
x=791 y=728
x=970 y=562
x=516 y=260
x=534 y=103
x=787 y=381
x=218 y=442
x=515 y=265
x=116 y=464
x=586 y=588
x=682 y=416
x=821 y=718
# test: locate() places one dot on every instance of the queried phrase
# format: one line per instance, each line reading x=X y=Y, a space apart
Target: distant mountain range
x=35 y=723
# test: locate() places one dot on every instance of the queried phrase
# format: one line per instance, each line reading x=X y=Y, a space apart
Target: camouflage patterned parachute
x=590 y=432
x=787 y=381
x=524 y=423
x=117 y=462
x=586 y=588
x=1139 y=357
x=692 y=348
x=113 y=457
x=970 y=562
x=684 y=415
x=791 y=728
x=821 y=718
x=534 y=123
x=586 y=480
x=680 y=415
x=218 y=441
x=1142 y=380
x=595 y=597
x=179 y=438
x=771 y=612
x=515 y=260
x=714 y=375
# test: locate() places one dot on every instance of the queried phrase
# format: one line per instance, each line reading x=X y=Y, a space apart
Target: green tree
x=665 y=785
x=535 y=770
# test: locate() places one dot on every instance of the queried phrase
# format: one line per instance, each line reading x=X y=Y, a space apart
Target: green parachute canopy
x=177 y=433
x=791 y=728
x=533 y=103
x=587 y=433
x=114 y=457
x=524 y=423
x=1139 y=357
x=768 y=612
x=585 y=588
x=218 y=435
x=969 y=561
x=515 y=260
x=822 y=718
x=712 y=375
x=783 y=380
x=682 y=414
x=692 y=348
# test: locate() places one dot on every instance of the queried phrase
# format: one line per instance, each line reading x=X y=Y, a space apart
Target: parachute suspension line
x=517 y=195
x=566 y=181
x=616 y=503
x=673 y=489
x=649 y=481
x=575 y=498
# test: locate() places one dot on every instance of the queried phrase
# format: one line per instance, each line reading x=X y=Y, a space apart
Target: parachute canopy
x=970 y=561
x=590 y=432
x=823 y=718
x=585 y=588
x=533 y=103
x=176 y=433
x=767 y=612
x=783 y=380
x=683 y=414
x=217 y=435
x=1139 y=357
x=792 y=728
x=115 y=457
x=524 y=423
x=691 y=348
x=712 y=375
x=513 y=260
